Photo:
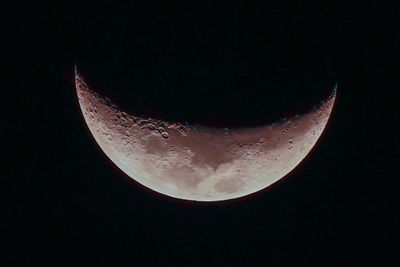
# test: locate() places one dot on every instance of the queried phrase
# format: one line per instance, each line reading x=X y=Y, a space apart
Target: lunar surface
x=200 y=163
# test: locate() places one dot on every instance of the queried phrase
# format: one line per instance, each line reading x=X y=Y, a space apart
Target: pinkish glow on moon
x=199 y=163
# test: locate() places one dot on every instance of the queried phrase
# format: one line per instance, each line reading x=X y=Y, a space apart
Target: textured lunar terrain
x=200 y=163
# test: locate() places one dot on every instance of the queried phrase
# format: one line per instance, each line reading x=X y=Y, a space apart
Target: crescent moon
x=200 y=163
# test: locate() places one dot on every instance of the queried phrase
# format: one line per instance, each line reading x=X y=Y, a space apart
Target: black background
x=218 y=63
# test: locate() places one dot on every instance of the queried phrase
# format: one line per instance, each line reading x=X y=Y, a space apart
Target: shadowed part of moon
x=229 y=185
x=200 y=163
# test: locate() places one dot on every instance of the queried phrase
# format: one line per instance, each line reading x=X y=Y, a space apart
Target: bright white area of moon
x=200 y=163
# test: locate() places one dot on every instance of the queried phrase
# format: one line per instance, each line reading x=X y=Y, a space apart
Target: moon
x=199 y=163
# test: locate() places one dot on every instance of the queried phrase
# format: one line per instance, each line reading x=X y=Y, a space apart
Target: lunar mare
x=200 y=163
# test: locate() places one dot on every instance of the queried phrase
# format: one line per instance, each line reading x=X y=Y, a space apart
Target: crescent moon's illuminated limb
x=199 y=163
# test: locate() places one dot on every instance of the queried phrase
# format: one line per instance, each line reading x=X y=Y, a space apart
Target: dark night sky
x=218 y=63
